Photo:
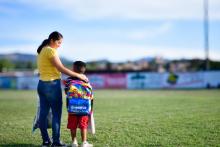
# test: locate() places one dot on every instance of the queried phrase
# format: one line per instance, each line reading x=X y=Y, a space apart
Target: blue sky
x=117 y=30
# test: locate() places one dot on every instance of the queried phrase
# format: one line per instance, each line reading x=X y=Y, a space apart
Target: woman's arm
x=60 y=67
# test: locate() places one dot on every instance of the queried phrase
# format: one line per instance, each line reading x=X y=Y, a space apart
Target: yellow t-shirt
x=47 y=71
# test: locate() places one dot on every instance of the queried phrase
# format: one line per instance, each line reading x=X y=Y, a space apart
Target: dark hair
x=53 y=36
x=78 y=65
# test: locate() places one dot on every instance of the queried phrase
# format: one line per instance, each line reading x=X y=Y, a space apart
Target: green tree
x=6 y=65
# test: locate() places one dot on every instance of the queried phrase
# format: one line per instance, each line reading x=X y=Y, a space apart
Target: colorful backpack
x=78 y=97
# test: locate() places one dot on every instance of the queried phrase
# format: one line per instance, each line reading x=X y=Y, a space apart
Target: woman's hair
x=53 y=36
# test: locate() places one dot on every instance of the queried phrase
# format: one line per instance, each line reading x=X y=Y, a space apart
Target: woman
x=49 y=86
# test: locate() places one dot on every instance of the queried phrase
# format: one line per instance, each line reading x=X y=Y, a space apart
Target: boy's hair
x=78 y=66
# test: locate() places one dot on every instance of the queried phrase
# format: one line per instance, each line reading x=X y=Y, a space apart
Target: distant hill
x=20 y=57
x=20 y=61
x=15 y=57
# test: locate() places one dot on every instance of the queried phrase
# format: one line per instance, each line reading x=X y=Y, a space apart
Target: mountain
x=20 y=57
x=15 y=57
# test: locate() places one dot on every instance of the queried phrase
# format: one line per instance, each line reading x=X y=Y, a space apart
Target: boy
x=75 y=121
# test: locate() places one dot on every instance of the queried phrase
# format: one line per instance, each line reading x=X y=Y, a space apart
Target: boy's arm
x=92 y=105
x=92 y=101
x=65 y=89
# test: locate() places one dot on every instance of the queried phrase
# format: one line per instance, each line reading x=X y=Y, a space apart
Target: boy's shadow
x=19 y=145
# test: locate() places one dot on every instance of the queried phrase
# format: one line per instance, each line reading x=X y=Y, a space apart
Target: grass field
x=125 y=118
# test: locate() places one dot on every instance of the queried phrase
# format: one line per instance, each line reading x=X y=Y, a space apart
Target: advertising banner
x=144 y=80
x=184 y=80
x=28 y=82
x=212 y=79
x=108 y=80
x=8 y=82
x=115 y=81
x=97 y=81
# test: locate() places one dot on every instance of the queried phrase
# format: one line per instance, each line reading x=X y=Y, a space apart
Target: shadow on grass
x=19 y=145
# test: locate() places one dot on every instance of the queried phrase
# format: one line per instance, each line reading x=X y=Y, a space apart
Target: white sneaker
x=75 y=145
x=86 y=144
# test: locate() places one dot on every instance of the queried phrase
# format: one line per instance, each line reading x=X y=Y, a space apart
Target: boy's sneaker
x=86 y=144
x=46 y=144
x=59 y=144
x=75 y=145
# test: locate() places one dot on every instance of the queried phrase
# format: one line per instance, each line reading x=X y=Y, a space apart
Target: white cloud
x=84 y=49
x=114 y=51
x=144 y=33
x=25 y=48
x=26 y=36
x=121 y=52
x=88 y=34
x=130 y=9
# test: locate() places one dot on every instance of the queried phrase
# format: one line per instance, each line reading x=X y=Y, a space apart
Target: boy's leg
x=73 y=135
x=84 y=138
x=72 y=125
x=83 y=124
x=84 y=135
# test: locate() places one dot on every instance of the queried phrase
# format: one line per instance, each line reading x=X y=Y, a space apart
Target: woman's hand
x=83 y=77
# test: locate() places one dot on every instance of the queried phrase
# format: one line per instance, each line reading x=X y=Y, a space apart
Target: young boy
x=75 y=121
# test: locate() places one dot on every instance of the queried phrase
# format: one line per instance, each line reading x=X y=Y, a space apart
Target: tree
x=6 y=65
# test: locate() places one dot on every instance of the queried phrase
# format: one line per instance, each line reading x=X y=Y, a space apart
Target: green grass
x=125 y=118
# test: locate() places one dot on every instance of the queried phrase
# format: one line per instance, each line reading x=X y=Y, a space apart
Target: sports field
x=125 y=118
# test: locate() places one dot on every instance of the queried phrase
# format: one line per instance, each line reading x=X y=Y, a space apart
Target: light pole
x=206 y=33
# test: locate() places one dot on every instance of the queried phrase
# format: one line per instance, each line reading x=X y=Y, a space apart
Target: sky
x=116 y=30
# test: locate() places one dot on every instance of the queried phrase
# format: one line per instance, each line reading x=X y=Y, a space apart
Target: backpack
x=78 y=97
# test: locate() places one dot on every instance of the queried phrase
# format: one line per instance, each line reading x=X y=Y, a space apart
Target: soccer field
x=124 y=118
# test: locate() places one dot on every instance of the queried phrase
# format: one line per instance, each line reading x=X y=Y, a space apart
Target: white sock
x=75 y=142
